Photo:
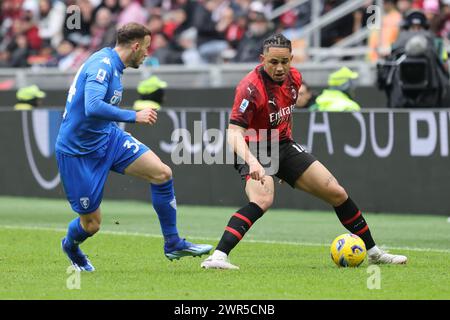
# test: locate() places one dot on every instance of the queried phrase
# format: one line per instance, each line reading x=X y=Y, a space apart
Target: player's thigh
x=261 y=194
x=318 y=181
x=150 y=168
x=83 y=179
x=294 y=161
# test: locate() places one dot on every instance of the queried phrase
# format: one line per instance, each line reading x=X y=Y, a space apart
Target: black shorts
x=289 y=164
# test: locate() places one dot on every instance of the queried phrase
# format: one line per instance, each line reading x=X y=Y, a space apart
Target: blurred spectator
x=225 y=20
x=112 y=5
x=292 y=21
x=250 y=47
x=27 y=25
x=164 y=53
x=417 y=4
x=404 y=6
x=210 y=40
x=340 y=93
x=155 y=23
x=431 y=9
x=74 y=58
x=172 y=21
x=445 y=16
x=81 y=34
x=335 y=31
x=64 y=49
x=131 y=11
x=41 y=57
x=20 y=34
x=11 y=9
x=236 y=29
x=29 y=98
x=224 y=30
x=51 y=21
x=380 y=41
x=103 y=31
x=160 y=7
x=19 y=51
x=362 y=15
x=187 y=42
x=306 y=98
x=243 y=5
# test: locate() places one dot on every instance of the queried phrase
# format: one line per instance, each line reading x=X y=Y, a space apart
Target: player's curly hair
x=277 y=41
x=131 y=32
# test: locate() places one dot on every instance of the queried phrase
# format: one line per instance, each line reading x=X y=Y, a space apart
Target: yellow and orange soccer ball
x=348 y=250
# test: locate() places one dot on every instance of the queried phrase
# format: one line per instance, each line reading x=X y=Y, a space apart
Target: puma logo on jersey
x=273 y=102
x=249 y=90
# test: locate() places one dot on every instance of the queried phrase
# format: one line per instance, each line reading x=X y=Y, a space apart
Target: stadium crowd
x=64 y=33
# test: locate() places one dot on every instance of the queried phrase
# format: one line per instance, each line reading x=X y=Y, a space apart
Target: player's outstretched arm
x=237 y=143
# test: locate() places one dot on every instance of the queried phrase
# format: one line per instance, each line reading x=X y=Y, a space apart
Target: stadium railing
x=179 y=76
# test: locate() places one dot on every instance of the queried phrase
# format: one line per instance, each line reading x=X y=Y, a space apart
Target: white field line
x=149 y=235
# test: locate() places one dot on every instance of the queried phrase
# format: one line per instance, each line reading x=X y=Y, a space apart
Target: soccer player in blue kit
x=90 y=144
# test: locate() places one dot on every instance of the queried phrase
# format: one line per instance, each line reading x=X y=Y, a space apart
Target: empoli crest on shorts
x=84 y=201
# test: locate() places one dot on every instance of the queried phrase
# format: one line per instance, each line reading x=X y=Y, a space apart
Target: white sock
x=373 y=251
x=219 y=254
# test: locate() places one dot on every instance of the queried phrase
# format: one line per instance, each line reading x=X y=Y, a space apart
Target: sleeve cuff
x=238 y=123
x=130 y=116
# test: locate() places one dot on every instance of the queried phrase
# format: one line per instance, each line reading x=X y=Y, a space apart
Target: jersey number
x=129 y=144
x=73 y=89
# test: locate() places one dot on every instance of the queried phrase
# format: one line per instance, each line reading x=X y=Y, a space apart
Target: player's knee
x=164 y=175
x=338 y=195
x=167 y=173
x=93 y=227
x=264 y=202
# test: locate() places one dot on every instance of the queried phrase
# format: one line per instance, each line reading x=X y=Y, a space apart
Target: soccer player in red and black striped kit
x=263 y=104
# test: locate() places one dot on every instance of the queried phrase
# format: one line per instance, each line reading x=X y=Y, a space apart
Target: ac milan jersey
x=261 y=103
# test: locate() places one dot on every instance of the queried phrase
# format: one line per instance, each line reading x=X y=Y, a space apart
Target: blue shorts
x=84 y=177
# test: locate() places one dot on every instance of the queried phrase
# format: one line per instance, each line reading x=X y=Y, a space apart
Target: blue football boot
x=184 y=248
x=78 y=259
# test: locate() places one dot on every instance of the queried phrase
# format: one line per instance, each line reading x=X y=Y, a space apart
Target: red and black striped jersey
x=261 y=103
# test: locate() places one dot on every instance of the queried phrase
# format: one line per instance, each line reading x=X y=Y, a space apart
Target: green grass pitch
x=284 y=256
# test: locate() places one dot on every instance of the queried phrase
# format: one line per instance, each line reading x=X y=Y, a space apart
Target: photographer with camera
x=415 y=74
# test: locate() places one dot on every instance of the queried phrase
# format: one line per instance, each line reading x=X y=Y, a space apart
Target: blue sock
x=75 y=234
x=164 y=202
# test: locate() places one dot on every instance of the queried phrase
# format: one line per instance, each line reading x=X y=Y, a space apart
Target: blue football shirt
x=92 y=105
